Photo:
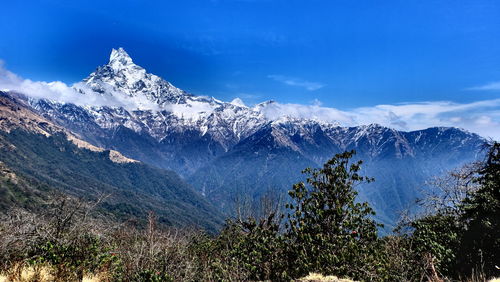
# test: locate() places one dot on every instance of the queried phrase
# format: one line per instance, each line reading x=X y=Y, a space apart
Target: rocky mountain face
x=226 y=149
x=40 y=160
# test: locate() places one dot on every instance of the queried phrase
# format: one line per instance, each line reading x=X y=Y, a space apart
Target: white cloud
x=311 y=86
x=276 y=110
x=194 y=110
x=487 y=87
x=481 y=117
x=59 y=91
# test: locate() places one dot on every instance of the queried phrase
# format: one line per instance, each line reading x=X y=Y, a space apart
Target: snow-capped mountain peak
x=119 y=59
x=148 y=104
x=238 y=102
x=122 y=79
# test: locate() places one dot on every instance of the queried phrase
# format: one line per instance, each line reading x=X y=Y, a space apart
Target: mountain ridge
x=199 y=137
x=40 y=159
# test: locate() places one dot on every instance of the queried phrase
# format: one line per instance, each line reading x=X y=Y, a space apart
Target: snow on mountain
x=148 y=103
x=238 y=102
x=153 y=106
x=122 y=77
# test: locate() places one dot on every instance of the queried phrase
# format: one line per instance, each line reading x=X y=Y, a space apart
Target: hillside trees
x=462 y=239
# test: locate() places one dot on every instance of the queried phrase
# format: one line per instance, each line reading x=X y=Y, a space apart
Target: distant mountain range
x=228 y=150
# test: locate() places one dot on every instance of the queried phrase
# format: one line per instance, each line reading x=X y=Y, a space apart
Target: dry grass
x=96 y=278
x=313 y=277
x=20 y=273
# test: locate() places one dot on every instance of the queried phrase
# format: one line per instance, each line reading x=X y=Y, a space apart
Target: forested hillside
x=39 y=160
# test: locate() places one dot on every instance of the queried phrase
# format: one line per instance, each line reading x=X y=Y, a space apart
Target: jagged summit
x=119 y=58
x=119 y=53
x=131 y=84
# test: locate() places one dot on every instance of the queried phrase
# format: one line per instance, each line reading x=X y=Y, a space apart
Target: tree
x=435 y=241
x=435 y=233
x=445 y=194
x=258 y=247
x=481 y=214
x=462 y=236
x=328 y=231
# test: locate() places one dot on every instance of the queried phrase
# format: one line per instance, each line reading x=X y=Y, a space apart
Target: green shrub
x=151 y=276
x=329 y=232
x=82 y=255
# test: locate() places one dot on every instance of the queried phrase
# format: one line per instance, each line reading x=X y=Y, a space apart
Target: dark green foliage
x=481 y=216
x=53 y=163
x=462 y=240
x=259 y=247
x=328 y=229
x=85 y=254
x=152 y=276
x=244 y=250
x=437 y=238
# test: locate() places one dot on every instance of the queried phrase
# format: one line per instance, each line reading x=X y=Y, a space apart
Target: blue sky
x=345 y=54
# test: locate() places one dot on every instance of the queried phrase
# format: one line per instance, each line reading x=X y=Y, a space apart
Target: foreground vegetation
x=323 y=229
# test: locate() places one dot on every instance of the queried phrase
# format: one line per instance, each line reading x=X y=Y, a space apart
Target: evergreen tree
x=481 y=215
x=328 y=231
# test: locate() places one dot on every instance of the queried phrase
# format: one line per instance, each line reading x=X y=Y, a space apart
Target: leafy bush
x=85 y=254
x=329 y=231
x=436 y=240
